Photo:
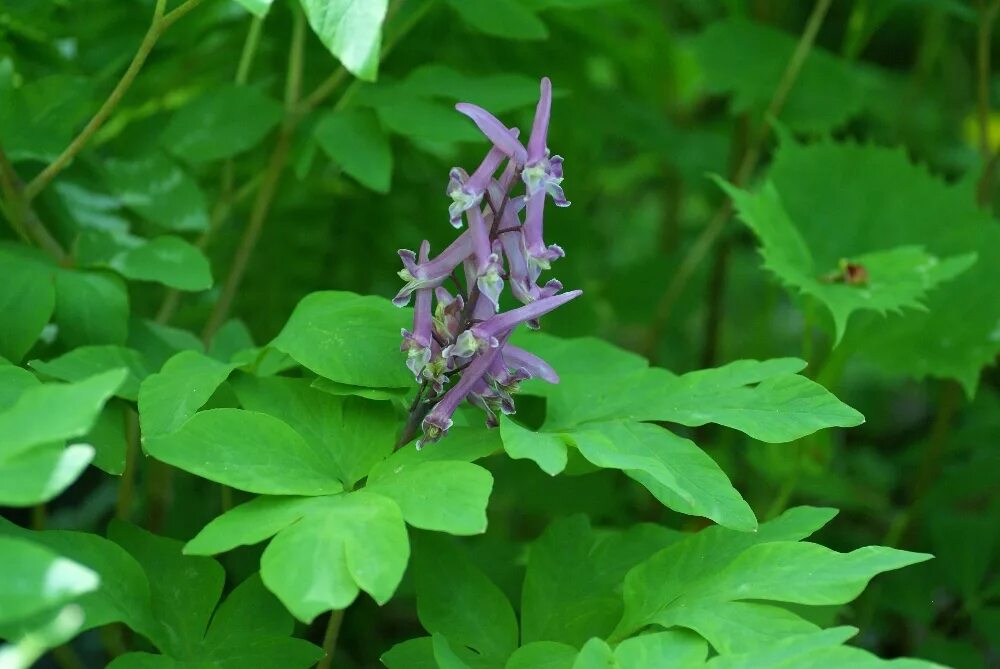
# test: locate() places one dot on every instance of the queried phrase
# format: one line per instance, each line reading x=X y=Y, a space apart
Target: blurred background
x=652 y=97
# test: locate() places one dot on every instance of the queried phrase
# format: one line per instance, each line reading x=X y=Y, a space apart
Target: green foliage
x=194 y=304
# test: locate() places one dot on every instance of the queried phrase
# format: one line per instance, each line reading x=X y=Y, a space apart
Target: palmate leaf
x=897 y=278
x=171 y=396
x=876 y=199
x=37 y=579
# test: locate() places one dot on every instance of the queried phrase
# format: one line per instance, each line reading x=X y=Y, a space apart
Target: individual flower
x=430 y=274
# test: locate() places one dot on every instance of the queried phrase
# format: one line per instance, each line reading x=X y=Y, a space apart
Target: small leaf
x=542 y=655
x=351 y=30
x=168 y=260
x=678 y=473
x=675 y=649
x=250 y=523
x=249 y=451
x=503 y=18
x=357 y=542
x=547 y=450
x=347 y=338
x=38 y=475
x=595 y=654
x=355 y=141
x=355 y=433
x=91 y=308
x=159 y=191
x=86 y=361
x=54 y=412
x=443 y=496
x=203 y=130
x=171 y=396
x=36 y=579
x=458 y=601
x=27 y=300
x=184 y=589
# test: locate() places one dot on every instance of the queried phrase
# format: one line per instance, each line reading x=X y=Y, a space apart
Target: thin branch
x=159 y=23
x=22 y=217
x=330 y=638
x=990 y=157
x=717 y=223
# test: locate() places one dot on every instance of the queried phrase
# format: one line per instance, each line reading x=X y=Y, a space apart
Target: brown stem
x=159 y=23
x=716 y=224
x=22 y=217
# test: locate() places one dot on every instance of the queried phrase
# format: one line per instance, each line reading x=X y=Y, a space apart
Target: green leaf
x=379 y=394
x=547 y=450
x=572 y=586
x=249 y=451
x=354 y=140
x=875 y=198
x=204 y=130
x=27 y=300
x=351 y=30
x=347 y=338
x=542 y=655
x=502 y=18
x=124 y=594
x=91 y=308
x=740 y=627
x=355 y=433
x=500 y=92
x=828 y=92
x=38 y=475
x=411 y=654
x=13 y=382
x=40 y=118
x=258 y=8
x=678 y=473
x=675 y=649
x=85 y=361
x=108 y=438
x=36 y=579
x=443 y=496
x=251 y=523
x=897 y=278
x=157 y=189
x=170 y=397
x=168 y=260
x=595 y=654
x=455 y=599
x=356 y=542
x=158 y=343
x=717 y=566
x=184 y=589
x=55 y=411
x=231 y=338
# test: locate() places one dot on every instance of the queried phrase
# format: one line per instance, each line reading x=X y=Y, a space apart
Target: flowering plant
x=466 y=333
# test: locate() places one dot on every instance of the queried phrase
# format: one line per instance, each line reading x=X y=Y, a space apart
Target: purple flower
x=461 y=342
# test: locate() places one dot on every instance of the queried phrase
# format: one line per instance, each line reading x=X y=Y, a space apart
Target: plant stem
x=747 y=165
x=126 y=485
x=330 y=638
x=21 y=216
x=159 y=23
x=990 y=157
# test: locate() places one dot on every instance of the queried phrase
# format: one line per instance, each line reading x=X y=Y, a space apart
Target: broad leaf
x=447 y=496
x=55 y=411
x=85 y=361
x=38 y=475
x=203 y=129
x=27 y=299
x=351 y=30
x=251 y=523
x=158 y=190
x=347 y=338
x=503 y=18
x=355 y=141
x=355 y=542
x=455 y=599
x=171 y=396
x=168 y=260
x=355 y=433
x=247 y=450
x=894 y=279
x=37 y=579
x=91 y=308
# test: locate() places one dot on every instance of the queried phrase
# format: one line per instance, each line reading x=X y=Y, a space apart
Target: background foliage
x=188 y=182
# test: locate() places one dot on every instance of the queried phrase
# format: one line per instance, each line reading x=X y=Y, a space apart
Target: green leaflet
x=91 y=308
x=503 y=18
x=347 y=338
x=171 y=396
x=354 y=542
x=355 y=141
x=351 y=30
x=160 y=191
x=896 y=279
x=86 y=361
x=37 y=579
x=27 y=300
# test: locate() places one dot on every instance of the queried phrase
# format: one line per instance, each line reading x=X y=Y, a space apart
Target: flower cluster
x=464 y=332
